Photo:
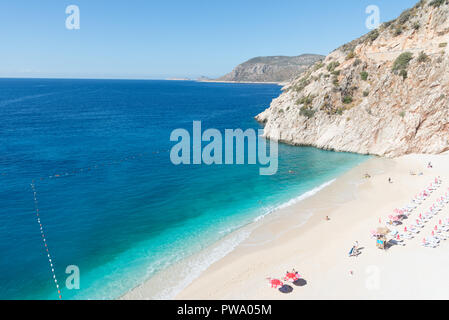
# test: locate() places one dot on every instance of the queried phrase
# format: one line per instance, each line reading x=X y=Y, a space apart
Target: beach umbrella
x=291 y=276
x=286 y=289
x=275 y=282
x=300 y=283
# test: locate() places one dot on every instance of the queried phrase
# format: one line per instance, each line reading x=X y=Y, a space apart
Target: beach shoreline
x=299 y=237
x=319 y=249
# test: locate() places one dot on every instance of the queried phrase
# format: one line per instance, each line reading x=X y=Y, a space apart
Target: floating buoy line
x=100 y=165
x=68 y=174
x=44 y=240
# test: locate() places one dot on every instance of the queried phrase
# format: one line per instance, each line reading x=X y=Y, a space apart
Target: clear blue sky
x=172 y=38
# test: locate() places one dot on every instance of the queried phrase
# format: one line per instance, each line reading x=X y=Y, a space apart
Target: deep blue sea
x=110 y=201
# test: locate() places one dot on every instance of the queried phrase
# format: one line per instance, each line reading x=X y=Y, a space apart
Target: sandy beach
x=300 y=237
x=319 y=249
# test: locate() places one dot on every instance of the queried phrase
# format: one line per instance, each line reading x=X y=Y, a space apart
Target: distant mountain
x=271 y=69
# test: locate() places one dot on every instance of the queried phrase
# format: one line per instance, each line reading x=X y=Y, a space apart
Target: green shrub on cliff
x=437 y=3
x=401 y=62
x=364 y=75
x=303 y=82
x=357 y=62
x=335 y=81
x=318 y=66
x=423 y=57
x=404 y=17
x=306 y=100
x=307 y=112
x=373 y=35
x=347 y=99
x=332 y=66
x=398 y=31
x=351 y=55
x=403 y=74
x=336 y=73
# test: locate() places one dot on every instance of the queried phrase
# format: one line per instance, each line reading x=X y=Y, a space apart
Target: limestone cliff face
x=386 y=93
x=271 y=69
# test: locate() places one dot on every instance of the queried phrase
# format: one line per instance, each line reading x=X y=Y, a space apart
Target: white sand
x=319 y=249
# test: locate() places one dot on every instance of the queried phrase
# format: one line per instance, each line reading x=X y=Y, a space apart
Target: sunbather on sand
x=354 y=252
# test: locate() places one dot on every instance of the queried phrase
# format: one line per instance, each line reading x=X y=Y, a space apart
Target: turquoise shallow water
x=130 y=212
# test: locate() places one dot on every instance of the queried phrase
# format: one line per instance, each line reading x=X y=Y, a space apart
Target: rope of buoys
x=98 y=165
x=44 y=240
x=65 y=174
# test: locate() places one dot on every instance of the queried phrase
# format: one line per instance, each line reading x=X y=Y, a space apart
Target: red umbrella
x=291 y=276
x=275 y=283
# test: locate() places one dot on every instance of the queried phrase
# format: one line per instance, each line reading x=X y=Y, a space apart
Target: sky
x=149 y=39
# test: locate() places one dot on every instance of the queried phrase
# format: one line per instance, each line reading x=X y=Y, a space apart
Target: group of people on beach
x=292 y=277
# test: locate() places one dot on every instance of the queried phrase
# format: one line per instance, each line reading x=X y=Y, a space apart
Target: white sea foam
x=193 y=267
x=196 y=266
x=293 y=201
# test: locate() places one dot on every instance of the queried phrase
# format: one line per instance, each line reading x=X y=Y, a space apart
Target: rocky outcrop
x=386 y=93
x=271 y=69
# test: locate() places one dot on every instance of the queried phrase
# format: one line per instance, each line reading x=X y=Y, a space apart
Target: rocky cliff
x=386 y=93
x=271 y=69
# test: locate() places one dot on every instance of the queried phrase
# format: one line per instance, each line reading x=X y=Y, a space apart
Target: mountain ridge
x=271 y=68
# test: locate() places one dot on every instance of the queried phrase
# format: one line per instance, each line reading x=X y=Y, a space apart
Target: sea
x=91 y=205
